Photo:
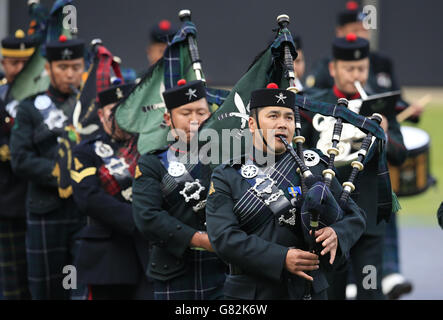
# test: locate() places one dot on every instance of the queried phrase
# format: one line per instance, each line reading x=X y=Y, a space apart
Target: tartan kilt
x=13 y=268
x=391 y=263
x=203 y=280
x=51 y=245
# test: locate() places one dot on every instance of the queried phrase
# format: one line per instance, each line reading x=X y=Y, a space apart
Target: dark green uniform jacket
x=246 y=234
x=163 y=216
x=34 y=150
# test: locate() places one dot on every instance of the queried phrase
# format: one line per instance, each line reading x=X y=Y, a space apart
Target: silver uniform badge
x=265 y=185
x=281 y=98
x=117 y=166
x=189 y=186
x=42 y=102
x=249 y=171
x=311 y=158
x=176 y=169
x=56 y=119
x=274 y=197
x=291 y=220
x=103 y=150
x=127 y=194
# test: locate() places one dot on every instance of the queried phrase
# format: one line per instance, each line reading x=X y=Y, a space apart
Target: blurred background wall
x=232 y=32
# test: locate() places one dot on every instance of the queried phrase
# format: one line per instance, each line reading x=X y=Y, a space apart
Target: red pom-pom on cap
x=164 y=25
x=272 y=85
x=62 y=38
x=351 y=37
x=181 y=82
x=352 y=5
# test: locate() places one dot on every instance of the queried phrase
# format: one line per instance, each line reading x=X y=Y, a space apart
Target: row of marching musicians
x=223 y=237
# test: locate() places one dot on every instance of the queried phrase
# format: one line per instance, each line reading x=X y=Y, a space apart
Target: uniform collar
x=56 y=94
x=115 y=144
x=252 y=156
x=178 y=152
x=340 y=94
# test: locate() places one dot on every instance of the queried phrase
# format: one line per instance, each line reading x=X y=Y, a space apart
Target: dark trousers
x=141 y=291
x=51 y=245
x=203 y=279
x=366 y=256
x=391 y=262
x=111 y=292
x=13 y=266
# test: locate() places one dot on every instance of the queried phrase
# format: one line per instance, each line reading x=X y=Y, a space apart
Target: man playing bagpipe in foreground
x=112 y=255
x=256 y=221
x=169 y=196
x=350 y=64
x=52 y=221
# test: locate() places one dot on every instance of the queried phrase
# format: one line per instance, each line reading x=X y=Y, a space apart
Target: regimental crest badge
x=103 y=150
x=176 y=169
x=281 y=98
x=66 y=54
x=249 y=171
x=191 y=93
x=311 y=158
x=117 y=166
x=56 y=119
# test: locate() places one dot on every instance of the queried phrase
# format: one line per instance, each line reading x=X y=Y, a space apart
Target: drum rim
x=430 y=182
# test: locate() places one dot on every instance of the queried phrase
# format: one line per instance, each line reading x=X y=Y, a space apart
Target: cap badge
x=66 y=54
x=119 y=93
x=281 y=98
x=191 y=93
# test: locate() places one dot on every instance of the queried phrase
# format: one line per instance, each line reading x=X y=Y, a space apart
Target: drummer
x=381 y=73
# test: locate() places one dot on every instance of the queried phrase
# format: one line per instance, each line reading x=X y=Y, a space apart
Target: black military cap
x=161 y=31
x=183 y=93
x=350 y=14
x=272 y=96
x=114 y=94
x=64 y=49
x=350 y=48
x=18 y=46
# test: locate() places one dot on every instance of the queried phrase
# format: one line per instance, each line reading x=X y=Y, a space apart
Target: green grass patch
x=421 y=209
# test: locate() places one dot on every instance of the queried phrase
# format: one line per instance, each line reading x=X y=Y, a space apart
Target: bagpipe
x=351 y=137
x=318 y=206
x=185 y=15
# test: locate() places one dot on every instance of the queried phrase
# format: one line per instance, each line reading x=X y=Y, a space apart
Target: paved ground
x=421 y=253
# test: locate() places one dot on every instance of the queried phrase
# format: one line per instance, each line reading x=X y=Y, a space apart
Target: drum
x=413 y=176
